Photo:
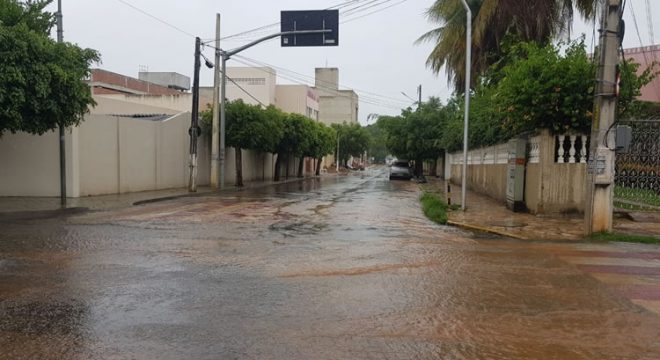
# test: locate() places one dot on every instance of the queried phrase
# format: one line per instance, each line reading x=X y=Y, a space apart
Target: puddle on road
x=301 y=277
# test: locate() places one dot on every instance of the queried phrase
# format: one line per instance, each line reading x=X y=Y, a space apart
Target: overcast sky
x=377 y=55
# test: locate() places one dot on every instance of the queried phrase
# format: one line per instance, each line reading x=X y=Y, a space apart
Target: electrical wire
x=155 y=18
x=245 y=91
x=261 y=29
x=365 y=99
x=373 y=12
x=327 y=83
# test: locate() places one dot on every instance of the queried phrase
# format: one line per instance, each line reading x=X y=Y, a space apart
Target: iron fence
x=637 y=178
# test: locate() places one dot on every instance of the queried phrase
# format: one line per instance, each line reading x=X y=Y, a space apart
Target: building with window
x=335 y=106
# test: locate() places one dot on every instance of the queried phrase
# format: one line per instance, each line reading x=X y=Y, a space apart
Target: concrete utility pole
x=215 y=140
x=466 y=121
x=419 y=94
x=194 y=121
x=60 y=38
x=600 y=174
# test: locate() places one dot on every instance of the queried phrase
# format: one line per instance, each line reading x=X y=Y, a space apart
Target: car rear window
x=401 y=164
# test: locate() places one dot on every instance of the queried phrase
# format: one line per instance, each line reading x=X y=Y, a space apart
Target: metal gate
x=637 y=179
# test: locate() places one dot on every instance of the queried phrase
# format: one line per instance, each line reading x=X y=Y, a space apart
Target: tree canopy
x=353 y=140
x=492 y=20
x=42 y=82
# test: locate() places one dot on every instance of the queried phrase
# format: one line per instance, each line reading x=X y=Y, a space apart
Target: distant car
x=400 y=169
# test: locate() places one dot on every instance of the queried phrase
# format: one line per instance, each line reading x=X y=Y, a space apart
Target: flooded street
x=331 y=268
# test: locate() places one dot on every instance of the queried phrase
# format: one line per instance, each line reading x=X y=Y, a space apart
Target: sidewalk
x=488 y=215
x=113 y=201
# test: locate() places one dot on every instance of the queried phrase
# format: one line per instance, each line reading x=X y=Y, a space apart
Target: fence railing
x=637 y=176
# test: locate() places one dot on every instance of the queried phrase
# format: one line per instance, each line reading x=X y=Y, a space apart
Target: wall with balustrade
x=555 y=172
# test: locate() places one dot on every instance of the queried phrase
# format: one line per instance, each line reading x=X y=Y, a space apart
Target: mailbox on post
x=515 y=183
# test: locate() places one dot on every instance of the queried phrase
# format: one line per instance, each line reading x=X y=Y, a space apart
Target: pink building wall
x=645 y=56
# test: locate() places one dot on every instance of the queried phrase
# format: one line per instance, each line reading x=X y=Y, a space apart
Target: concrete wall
x=338 y=109
x=300 y=99
x=550 y=187
x=258 y=81
x=30 y=165
x=177 y=103
x=119 y=154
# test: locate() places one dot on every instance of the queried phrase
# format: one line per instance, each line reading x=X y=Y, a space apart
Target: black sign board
x=310 y=20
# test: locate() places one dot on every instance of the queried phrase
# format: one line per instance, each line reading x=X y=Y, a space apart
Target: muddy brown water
x=339 y=268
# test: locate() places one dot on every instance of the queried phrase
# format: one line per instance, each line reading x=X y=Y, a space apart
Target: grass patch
x=434 y=208
x=604 y=236
x=644 y=196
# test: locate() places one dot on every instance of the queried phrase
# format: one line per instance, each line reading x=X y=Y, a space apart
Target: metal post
x=225 y=55
x=223 y=120
x=215 y=143
x=600 y=174
x=60 y=38
x=194 y=126
x=468 y=63
x=337 y=153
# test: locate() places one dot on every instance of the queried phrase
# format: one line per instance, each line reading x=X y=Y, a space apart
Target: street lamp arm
x=230 y=53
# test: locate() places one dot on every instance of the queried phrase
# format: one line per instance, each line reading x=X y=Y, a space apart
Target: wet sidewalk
x=489 y=215
x=13 y=204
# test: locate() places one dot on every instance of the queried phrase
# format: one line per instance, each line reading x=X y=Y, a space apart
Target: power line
x=373 y=95
x=155 y=18
x=245 y=91
x=373 y=12
x=365 y=99
x=268 y=26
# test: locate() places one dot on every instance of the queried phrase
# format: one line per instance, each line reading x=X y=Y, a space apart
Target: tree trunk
x=288 y=165
x=318 y=166
x=434 y=167
x=278 y=166
x=239 y=167
x=301 y=165
x=419 y=167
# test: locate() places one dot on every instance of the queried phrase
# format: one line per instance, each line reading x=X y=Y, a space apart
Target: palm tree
x=529 y=20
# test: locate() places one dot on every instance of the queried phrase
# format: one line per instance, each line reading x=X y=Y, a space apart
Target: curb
x=485 y=229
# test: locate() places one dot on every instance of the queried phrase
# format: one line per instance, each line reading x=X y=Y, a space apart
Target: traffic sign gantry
x=310 y=20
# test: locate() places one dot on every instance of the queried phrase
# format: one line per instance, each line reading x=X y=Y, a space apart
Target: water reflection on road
x=338 y=268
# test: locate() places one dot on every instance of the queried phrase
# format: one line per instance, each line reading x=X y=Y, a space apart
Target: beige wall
x=30 y=164
x=176 y=103
x=338 y=109
x=300 y=99
x=245 y=77
x=550 y=187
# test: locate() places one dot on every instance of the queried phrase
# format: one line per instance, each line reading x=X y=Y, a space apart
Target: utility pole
x=468 y=66
x=600 y=172
x=194 y=121
x=60 y=38
x=215 y=143
x=419 y=94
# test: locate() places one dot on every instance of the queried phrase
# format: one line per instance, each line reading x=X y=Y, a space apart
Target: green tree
x=321 y=144
x=42 y=82
x=377 y=146
x=492 y=20
x=249 y=127
x=294 y=141
x=353 y=140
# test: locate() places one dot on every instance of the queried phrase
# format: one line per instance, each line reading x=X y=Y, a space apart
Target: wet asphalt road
x=338 y=268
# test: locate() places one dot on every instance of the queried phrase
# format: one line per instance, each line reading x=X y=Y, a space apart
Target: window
x=250 y=81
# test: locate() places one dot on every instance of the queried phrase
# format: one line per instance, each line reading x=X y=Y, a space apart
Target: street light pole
x=226 y=55
x=215 y=168
x=468 y=63
x=60 y=38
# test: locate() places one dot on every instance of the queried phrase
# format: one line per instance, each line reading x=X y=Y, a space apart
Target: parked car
x=400 y=169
